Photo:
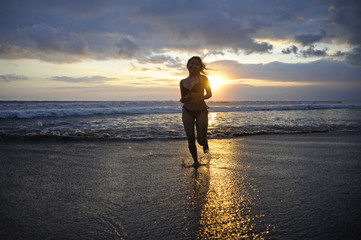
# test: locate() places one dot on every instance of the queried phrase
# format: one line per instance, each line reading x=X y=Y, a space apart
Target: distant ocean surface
x=132 y=120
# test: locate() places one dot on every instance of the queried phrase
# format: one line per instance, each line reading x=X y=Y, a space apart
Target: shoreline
x=43 y=139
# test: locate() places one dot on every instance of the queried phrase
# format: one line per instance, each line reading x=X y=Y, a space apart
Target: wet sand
x=303 y=186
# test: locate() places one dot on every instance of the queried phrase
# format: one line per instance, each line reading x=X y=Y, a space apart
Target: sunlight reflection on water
x=223 y=197
x=213 y=119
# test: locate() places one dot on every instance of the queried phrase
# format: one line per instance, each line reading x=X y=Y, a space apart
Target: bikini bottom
x=194 y=114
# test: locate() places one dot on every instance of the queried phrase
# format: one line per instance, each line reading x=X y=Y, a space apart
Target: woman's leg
x=188 y=123
x=202 y=127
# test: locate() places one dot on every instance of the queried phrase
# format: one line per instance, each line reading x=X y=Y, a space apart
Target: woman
x=195 y=110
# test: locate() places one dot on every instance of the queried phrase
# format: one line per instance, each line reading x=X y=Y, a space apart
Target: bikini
x=197 y=88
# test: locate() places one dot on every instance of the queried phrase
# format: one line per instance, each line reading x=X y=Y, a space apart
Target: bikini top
x=197 y=88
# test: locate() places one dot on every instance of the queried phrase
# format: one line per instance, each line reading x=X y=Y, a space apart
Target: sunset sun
x=216 y=82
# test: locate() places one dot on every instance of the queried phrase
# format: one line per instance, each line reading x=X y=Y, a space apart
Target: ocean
x=138 y=120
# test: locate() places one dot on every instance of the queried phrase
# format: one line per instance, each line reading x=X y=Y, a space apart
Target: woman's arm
x=208 y=89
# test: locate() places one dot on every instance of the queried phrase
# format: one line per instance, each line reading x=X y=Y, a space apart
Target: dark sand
x=273 y=187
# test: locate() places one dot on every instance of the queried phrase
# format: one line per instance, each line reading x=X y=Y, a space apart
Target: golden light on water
x=212 y=119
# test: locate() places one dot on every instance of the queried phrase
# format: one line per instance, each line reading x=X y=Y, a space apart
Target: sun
x=216 y=82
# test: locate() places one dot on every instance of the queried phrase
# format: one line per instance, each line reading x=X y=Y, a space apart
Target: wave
x=40 y=113
x=28 y=110
x=283 y=108
x=109 y=135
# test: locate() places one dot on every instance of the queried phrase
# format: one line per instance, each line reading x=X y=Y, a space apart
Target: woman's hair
x=203 y=66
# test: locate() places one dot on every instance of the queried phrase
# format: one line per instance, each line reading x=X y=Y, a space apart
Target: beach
x=279 y=186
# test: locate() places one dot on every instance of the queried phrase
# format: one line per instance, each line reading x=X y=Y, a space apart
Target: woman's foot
x=205 y=147
x=195 y=164
x=206 y=158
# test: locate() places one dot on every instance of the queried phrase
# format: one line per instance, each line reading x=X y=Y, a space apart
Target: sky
x=276 y=50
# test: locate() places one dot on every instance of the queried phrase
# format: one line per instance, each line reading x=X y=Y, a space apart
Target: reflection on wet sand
x=223 y=198
x=196 y=182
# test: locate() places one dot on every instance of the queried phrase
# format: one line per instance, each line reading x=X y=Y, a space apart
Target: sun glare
x=215 y=82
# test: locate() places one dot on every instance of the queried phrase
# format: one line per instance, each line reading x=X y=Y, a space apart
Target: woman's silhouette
x=195 y=110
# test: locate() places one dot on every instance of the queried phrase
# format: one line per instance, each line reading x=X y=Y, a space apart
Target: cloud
x=12 y=77
x=312 y=52
x=203 y=24
x=127 y=48
x=354 y=58
x=163 y=59
x=307 y=39
x=88 y=79
x=69 y=31
x=291 y=49
x=85 y=28
x=339 y=54
x=309 y=52
x=346 y=16
x=47 y=38
x=321 y=71
x=287 y=93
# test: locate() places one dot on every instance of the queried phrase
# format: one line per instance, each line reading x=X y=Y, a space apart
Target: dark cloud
x=345 y=14
x=86 y=28
x=204 y=24
x=47 y=38
x=296 y=93
x=127 y=48
x=291 y=49
x=346 y=18
x=317 y=72
x=354 y=58
x=214 y=53
x=312 y=52
x=12 y=77
x=339 y=54
x=163 y=59
x=88 y=79
x=68 y=31
x=307 y=39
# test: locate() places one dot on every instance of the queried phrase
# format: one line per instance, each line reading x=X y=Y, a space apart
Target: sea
x=138 y=120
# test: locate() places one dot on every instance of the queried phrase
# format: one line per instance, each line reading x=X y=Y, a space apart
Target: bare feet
x=195 y=164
